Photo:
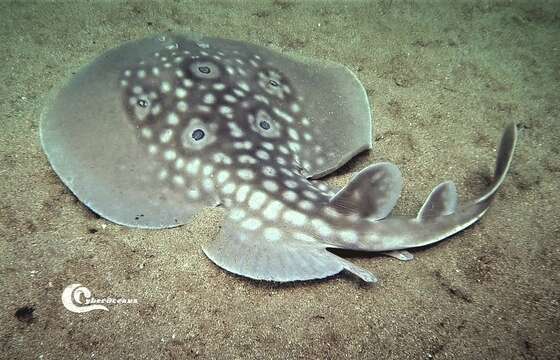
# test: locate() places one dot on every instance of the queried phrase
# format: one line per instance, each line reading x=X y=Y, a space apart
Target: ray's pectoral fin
x=272 y=254
x=372 y=193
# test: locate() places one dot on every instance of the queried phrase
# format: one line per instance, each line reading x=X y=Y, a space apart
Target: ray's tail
x=439 y=217
x=503 y=161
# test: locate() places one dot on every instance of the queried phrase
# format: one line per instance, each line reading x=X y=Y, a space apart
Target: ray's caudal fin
x=440 y=216
x=442 y=201
x=503 y=161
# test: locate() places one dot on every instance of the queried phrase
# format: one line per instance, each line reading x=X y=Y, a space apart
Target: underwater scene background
x=443 y=78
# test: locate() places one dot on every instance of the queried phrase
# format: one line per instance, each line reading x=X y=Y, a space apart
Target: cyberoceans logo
x=76 y=298
x=79 y=299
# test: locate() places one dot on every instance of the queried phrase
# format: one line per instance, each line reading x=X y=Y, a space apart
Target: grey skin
x=153 y=131
x=439 y=218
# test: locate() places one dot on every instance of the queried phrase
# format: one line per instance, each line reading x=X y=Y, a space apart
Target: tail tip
x=505 y=151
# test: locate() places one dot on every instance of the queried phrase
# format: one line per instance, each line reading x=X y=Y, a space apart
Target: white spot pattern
x=257 y=199
x=272 y=234
x=272 y=210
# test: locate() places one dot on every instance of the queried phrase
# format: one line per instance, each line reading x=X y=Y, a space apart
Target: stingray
x=155 y=130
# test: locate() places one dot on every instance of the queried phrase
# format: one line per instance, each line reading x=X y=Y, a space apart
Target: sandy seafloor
x=444 y=79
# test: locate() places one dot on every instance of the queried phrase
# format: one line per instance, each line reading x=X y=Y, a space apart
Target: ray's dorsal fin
x=441 y=201
x=372 y=193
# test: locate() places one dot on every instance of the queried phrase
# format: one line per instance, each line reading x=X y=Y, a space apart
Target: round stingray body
x=137 y=134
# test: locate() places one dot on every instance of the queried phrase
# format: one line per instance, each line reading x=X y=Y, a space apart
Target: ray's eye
x=198 y=135
x=264 y=125
x=273 y=83
x=204 y=69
